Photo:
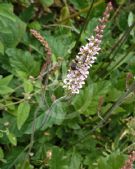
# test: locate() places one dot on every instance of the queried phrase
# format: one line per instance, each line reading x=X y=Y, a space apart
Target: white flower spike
x=86 y=57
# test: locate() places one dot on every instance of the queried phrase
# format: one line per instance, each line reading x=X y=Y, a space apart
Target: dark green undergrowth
x=38 y=128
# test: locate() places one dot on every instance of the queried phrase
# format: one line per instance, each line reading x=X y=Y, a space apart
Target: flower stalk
x=79 y=69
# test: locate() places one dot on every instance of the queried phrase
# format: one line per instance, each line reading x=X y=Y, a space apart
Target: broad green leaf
x=113 y=94
x=11 y=27
x=58 y=160
x=55 y=115
x=60 y=45
x=113 y=161
x=28 y=87
x=80 y=102
x=116 y=160
x=6 y=80
x=100 y=90
x=92 y=93
x=75 y=161
x=11 y=138
x=102 y=164
x=58 y=113
x=23 y=62
x=22 y=113
x=5 y=90
x=1 y=153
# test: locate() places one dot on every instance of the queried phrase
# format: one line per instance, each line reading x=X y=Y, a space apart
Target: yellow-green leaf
x=11 y=138
x=22 y=114
x=28 y=87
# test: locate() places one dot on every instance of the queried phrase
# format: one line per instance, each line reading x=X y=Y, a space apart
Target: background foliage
x=92 y=130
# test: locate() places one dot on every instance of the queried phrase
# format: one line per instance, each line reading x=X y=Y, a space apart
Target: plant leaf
x=11 y=138
x=11 y=27
x=58 y=161
x=22 y=114
x=23 y=61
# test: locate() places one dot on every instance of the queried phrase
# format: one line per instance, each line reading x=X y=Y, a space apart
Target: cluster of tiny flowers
x=79 y=69
x=130 y=161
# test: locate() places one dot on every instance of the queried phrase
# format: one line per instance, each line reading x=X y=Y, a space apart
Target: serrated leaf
x=63 y=41
x=23 y=62
x=22 y=114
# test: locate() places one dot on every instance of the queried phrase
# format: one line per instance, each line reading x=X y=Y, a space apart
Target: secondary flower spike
x=79 y=69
